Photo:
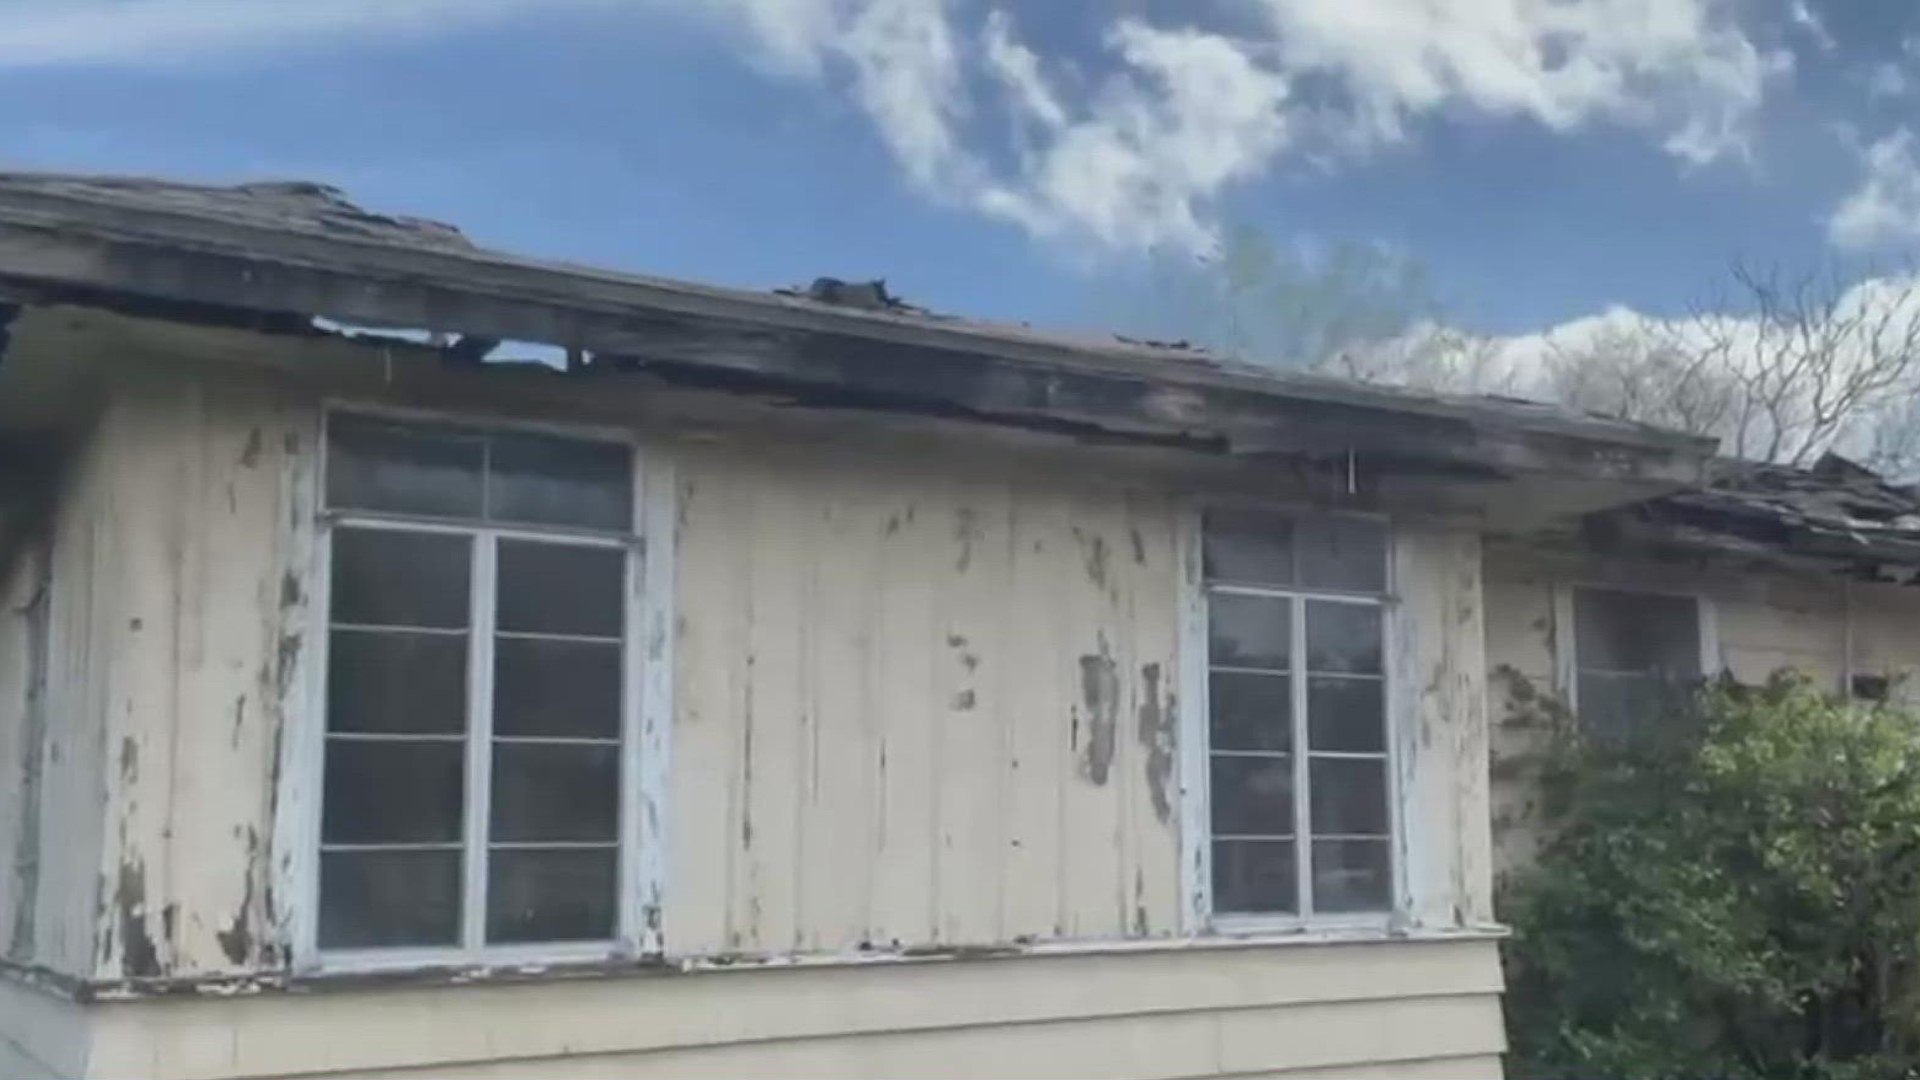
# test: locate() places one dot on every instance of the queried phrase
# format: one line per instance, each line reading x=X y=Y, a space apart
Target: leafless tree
x=1793 y=367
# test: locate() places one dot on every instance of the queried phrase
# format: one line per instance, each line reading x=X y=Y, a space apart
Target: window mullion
x=479 y=741
x=1302 y=803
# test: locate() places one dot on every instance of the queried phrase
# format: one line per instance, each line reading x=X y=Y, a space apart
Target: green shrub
x=1733 y=892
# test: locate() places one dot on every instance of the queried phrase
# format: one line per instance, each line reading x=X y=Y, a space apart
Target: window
x=1632 y=651
x=475 y=688
x=1300 y=822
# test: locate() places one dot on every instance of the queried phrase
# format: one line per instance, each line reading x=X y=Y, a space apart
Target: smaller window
x=1634 y=652
x=1874 y=688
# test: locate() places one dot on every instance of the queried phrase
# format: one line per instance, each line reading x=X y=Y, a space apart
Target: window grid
x=1301 y=754
x=477 y=844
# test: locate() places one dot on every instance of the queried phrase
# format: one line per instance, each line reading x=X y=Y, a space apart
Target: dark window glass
x=556 y=688
x=386 y=578
x=402 y=469
x=1250 y=712
x=1622 y=631
x=1343 y=637
x=1619 y=705
x=549 y=895
x=1249 y=631
x=1249 y=547
x=381 y=899
x=1254 y=877
x=561 y=793
x=387 y=791
x=548 y=588
x=1352 y=875
x=1348 y=796
x=1342 y=553
x=1252 y=796
x=547 y=481
x=1346 y=714
x=395 y=682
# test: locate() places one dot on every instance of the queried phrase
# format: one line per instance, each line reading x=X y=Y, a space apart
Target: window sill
x=561 y=969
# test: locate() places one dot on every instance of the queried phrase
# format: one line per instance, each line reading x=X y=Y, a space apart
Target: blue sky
x=1545 y=159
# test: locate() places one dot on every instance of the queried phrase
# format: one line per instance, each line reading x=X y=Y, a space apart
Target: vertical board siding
x=916 y=695
x=189 y=581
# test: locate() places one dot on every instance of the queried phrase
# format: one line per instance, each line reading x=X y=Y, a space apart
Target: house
x=1762 y=569
x=419 y=659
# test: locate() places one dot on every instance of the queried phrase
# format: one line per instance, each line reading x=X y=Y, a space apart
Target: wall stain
x=239 y=720
x=1155 y=732
x=966 y=533
x=290 y=594
x=138 y=956
x=1100 y=693
x=1139 y=547
x=250 y=455
x=129 y=760
x=963 y=701
x=1094 y=550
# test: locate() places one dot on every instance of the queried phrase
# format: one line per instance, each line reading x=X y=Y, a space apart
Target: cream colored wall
x=1765 y=620
x=921 y=701
x=1383 y=1010
x=918 y=703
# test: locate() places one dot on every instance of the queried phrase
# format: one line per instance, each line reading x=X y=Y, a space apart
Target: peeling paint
x=236 y=941
x=1156 y=735
x=1100 y=693
x=139 y=958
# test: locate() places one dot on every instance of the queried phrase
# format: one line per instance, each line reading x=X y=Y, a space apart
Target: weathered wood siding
x=918 y=705
x=1764 y=620
x=922 y=703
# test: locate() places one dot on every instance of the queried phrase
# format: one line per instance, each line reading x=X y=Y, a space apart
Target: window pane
x=1346 y=714
x=394 y=682
x=1248 y=631
x=402 y=469
x=1252 y=796
x=1342 y=553
x=1348 y=796
x=555 y=793
x=375 y=899
x=1351 y=875
x=560 y=482
x=1343 y=637
x=393 y=792
x=561 y=588
x=1254 y=877
x=386 y=578
x=556 y=688
x=1248 y=546
x=1623 y=631
x=1613 y=706
x=551 y=895
x=1250 y=712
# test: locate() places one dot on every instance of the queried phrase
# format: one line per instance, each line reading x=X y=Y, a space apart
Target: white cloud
x=1132 y=143
x=1885 y=208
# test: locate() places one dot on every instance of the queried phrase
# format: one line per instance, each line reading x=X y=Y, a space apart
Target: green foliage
x=1733 y=893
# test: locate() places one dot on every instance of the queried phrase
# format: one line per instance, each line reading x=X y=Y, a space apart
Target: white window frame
x=645 y=722
x=1566 y=635
x=1196 y=751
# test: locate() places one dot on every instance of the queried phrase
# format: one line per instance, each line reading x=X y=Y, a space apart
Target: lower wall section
x=1425 y=1009
x=41 y=1036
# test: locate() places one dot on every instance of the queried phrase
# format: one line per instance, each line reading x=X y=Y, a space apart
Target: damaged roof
x=1835 y=510
x=278 y=256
